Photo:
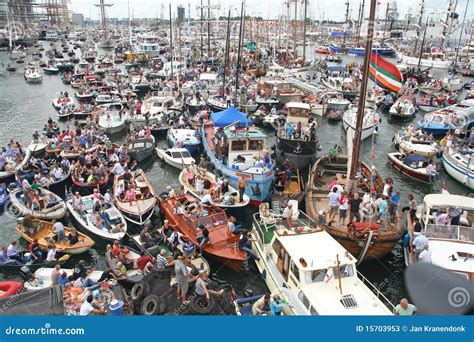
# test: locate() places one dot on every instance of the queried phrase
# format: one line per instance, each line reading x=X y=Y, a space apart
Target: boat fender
x=153 y=305
x=203 y=306
x=139 y=291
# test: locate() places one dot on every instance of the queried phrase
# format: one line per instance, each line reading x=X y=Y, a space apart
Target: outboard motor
x=26 y=273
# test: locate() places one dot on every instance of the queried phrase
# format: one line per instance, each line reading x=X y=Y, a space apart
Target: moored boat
x=176 y=157
x=42 y=205
x=44 y=234
x=410 y=165
x=222 y=246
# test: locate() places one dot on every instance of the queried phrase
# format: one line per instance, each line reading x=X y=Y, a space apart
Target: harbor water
x=25 y=108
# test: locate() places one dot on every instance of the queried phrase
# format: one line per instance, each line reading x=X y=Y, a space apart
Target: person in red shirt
x=145 y=262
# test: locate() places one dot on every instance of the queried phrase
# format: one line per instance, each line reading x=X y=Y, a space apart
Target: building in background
x=181 y=14
x=77 y=19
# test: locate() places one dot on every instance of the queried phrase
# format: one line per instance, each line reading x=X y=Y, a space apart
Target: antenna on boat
x=339 y=271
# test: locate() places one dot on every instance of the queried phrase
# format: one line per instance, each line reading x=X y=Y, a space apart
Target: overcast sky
x=331 y=9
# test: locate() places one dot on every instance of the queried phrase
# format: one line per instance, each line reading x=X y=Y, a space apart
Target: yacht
x=450 y=245
x=311 y=269
x=148 y=43
x=370 y=121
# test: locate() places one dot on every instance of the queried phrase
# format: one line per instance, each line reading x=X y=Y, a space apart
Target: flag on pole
x=385 y=74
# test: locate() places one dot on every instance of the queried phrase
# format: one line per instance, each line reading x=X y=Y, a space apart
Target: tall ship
x=105 y=40
x=297 y=141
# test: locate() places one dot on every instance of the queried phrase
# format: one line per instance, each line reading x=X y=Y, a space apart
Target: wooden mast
x=227 y=48
x=171 y=42
x=361 y=20
x=362 y=95
x=460 y=34
x=304 y=29
x=422 y=44
x=239 y=51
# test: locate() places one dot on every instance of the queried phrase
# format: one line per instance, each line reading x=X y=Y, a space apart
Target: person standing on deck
x=241 y=185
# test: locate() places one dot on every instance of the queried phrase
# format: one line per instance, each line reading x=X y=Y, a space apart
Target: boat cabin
x=244 y=147
x=317 y=274
x=298 y=112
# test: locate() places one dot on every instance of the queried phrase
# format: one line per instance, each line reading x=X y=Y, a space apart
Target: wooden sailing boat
x=367 y=239
x=105 y=41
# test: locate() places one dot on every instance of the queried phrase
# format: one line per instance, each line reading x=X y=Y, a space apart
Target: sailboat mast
x=227 y=48
x=361 y=20
x=445 y=24
x=239 y=51
x=304 y=29
x=171 y=42
x=460 y=34
x=422 y=9
x=362 y=94
x=423 y=43
x=295 y=31
x=209 y=28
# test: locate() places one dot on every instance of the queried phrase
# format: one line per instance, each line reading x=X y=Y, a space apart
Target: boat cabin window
x=180 y=154
x=256 y=145
x=238 y=145
x=315 y=276
x=303 y=299
x=312 y=311
x=299 y=112
x=295 y=271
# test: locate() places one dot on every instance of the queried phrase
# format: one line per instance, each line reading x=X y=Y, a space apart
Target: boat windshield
x=316 y=276
x=211 y=221
x=450 y=232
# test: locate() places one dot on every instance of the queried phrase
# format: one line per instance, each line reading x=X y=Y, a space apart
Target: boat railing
x=450 y=232
x=376 y=291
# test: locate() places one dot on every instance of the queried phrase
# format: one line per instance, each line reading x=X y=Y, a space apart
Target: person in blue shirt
x=63 y=279
x=276 y=305
x=393 y=205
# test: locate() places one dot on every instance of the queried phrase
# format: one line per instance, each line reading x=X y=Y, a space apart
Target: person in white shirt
x=288 y=214
x=207 y=198
x=58 y=173
x=420 y=243
x=87 y=308
x=58 y=229
x=118 y=169
x=51 y=254
x=425 y=255
x=107 y=199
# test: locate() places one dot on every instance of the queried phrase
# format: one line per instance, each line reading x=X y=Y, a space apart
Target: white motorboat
x=370 y=121
x=50 y=206
x=338 y=103
x=404 y=108
x=410 y=145
x=227 y=200
x=449 y=246
x=453 y=83
x=61 y=100
x=111 y=120
x=459 y=164
x=176 y=157
x=187 y=138
x=314 y=273
x=42 y=278
x=113 y=227
x=33 y=75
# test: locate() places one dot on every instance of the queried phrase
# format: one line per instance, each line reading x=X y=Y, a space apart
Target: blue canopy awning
x=229 y=116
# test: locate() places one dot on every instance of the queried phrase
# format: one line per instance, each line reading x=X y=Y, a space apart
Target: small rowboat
x=51 y=205
x=412 y=165
x=143 y=207
x=227 y=200
x=69 y=154
x=44 y=234
x=86 y=220
x=134 y=275
x=81 y=184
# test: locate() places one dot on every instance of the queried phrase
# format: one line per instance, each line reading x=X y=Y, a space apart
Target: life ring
x=10 y=288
